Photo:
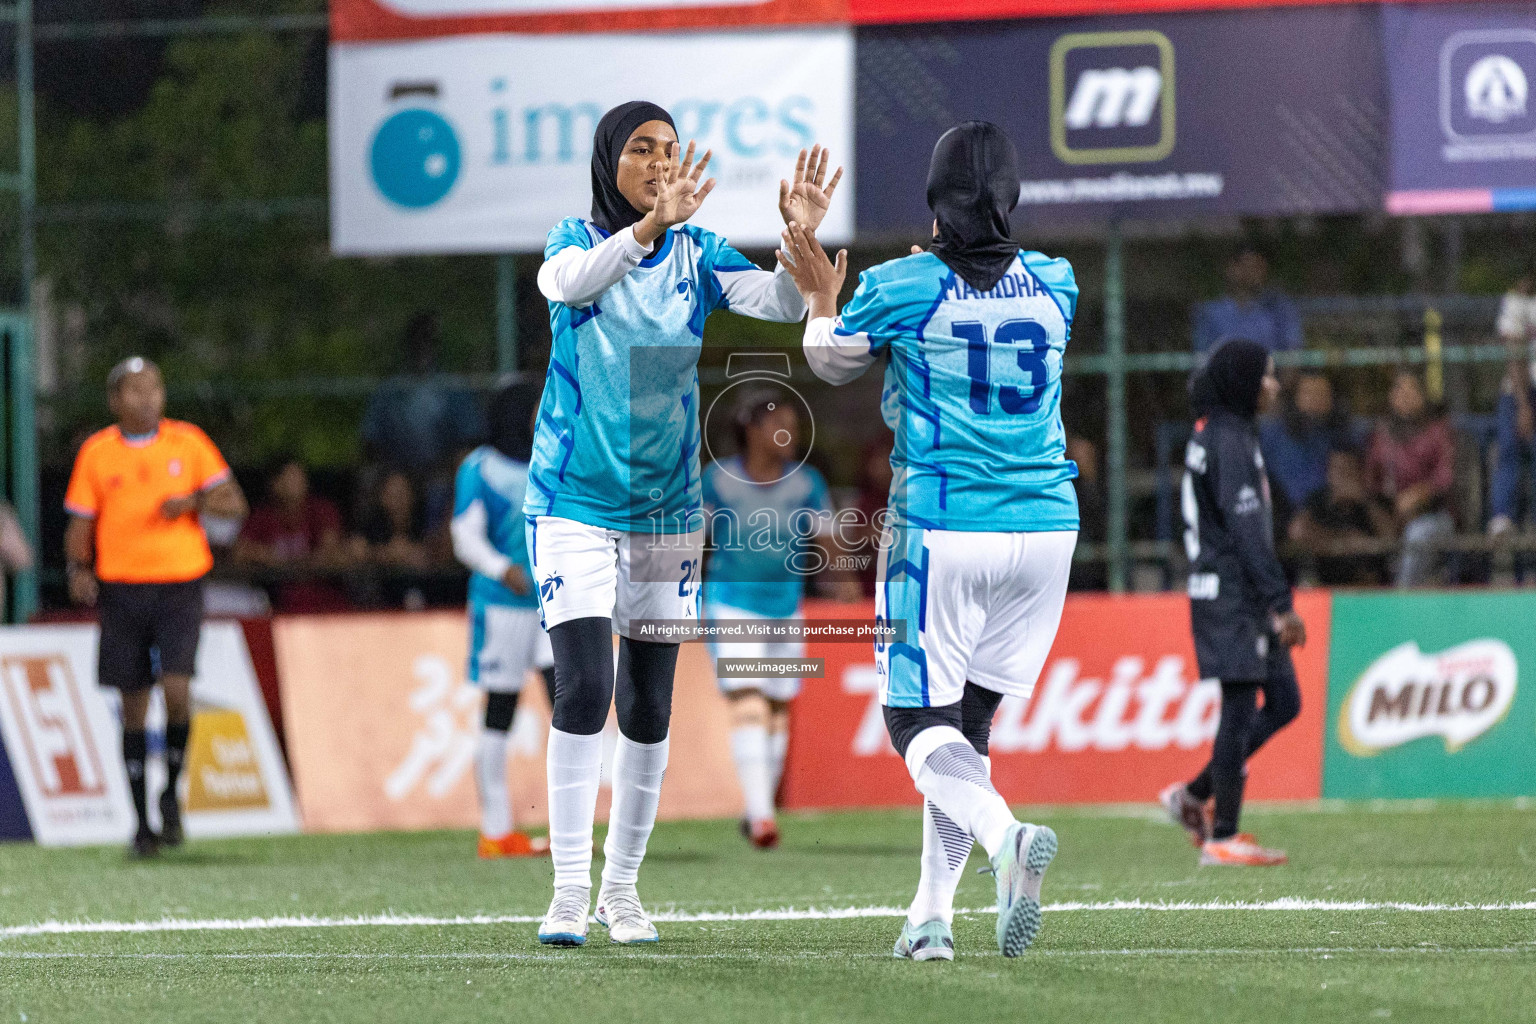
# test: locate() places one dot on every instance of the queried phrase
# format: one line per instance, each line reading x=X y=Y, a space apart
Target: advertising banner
x=1463 y=114
x=382 y=728
x=1118 y=713
x=483 y=143
x=1140 y=117
x=416 y=19
x=63 y=734
x=1426 y=699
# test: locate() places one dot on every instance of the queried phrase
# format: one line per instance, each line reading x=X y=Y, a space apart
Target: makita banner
x=1118 y=713
x=1463 y=113
x=1264 y=112
x=1426 y=696
x=483 y=143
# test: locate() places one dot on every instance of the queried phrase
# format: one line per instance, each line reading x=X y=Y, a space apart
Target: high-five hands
x=817 y=277
x=679 y=193
x=805 y=201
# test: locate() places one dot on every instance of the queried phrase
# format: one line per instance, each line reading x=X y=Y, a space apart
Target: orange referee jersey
x=122 y=485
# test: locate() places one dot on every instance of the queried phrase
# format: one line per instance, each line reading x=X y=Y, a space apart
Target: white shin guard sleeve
x=574 y=764
x=778 y=749
x=946 y=848
x=749 y=749
x=638 y=770
x=949 y=772
x=491 y=783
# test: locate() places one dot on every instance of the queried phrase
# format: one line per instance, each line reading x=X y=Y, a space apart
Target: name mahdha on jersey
x=973 y=391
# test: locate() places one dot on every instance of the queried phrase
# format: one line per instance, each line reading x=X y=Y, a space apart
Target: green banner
x=1431 y=695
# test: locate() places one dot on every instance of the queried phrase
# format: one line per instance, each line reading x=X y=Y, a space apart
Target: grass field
x=437 y=943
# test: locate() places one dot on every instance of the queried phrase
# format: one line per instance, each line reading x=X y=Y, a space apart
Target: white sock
x=778 y=747
x=573 y=763
x=946 y=848
x=948 y=771
x=750 y=750
x=491 y=783
x=638 y=769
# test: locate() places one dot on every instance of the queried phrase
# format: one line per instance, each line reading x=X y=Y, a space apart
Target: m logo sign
x=56 y=735
x=1456 y=694
x=1112 y=97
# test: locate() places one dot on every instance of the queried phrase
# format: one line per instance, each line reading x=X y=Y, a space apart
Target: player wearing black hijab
x=613 y=503
x=1239 y=600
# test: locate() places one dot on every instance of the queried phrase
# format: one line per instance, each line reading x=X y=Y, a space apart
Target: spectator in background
x=392 y=528
x=15 y=552
x=1092 y=512
x=1297 y=443
x=417 y=422
x=1248 y=310
x=1411 y=464
x=296 y=530
x=1517 y=405
x=1342 y=511
x=874 y=492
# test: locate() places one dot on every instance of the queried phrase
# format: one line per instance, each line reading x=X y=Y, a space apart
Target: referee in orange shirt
x=136 y=549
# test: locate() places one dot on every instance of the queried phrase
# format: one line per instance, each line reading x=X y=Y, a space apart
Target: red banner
x=1118 y=713
x=361 y=20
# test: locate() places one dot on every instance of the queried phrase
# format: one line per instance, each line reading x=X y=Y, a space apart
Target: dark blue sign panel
x=1266 y=112
x=13 y=813
x=1462 y=78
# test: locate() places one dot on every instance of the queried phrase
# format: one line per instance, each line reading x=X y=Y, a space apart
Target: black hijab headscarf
x=610 y=210
x=1231 y=379
x=973 y=185
x=510 y=419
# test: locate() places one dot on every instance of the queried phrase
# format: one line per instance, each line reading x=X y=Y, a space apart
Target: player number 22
x=1035 y=345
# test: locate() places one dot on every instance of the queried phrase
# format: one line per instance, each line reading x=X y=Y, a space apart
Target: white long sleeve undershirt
x=472 y=545
x=835 y=358
x=578 y=277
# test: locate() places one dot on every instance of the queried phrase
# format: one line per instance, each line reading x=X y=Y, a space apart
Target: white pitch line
x=649 y=955
x=388 y=920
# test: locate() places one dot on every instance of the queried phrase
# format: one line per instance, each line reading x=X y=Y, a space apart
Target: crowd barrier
x=1404 y=695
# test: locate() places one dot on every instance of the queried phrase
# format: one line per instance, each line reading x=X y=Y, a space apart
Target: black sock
x=1200 y=787
x=175 y=752
x=1228 y=755
x=135 y=750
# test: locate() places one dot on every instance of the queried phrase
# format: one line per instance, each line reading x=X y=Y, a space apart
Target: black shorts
x=147 y=630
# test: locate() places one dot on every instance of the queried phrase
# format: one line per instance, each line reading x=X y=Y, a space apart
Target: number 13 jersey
x=972 y=390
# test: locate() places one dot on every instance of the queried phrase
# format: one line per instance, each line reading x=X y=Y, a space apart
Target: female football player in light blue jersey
x=506 y=637
x=613 y=501
x=983 y=517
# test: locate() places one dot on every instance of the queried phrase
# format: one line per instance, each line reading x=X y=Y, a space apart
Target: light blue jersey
x=617 y=440
x=973 y=391
x=760 y=535
x=496 y=484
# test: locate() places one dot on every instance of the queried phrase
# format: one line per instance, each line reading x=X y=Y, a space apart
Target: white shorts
x=504 y=643
x=982 y=607
x=584 y=571
x=773 y=687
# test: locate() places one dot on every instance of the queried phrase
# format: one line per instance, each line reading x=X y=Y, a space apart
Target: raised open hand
x=678 y=191
x=817 y=277
x=805 y=201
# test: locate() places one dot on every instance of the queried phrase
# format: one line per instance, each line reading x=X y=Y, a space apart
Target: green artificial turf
x=1089 y=965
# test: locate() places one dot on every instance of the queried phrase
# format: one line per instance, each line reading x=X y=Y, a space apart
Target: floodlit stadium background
x=304 y=215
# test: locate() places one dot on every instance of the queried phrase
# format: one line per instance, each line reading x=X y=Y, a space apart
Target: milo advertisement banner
x=1429 y=696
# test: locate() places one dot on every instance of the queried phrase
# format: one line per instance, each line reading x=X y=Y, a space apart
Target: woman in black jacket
x=1239 y=600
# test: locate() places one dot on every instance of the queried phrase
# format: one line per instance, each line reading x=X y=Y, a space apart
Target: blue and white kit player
x=506 y=636
x=768 y=513
x=983 y=515
x=613 y=505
